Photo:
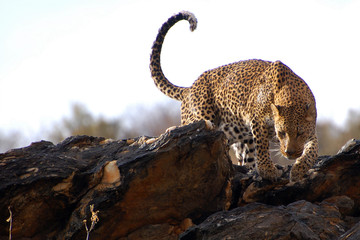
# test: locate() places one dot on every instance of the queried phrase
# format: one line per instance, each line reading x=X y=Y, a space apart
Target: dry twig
x=10 y=220
x=94 y=219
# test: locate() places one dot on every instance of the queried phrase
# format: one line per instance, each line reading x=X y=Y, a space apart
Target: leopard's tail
x=157 y=74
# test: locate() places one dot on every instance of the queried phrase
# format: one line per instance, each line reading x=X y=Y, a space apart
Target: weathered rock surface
x=181 y=183
x=298 y=220
x=153 y=188
x=331 y=176
x=325 y=205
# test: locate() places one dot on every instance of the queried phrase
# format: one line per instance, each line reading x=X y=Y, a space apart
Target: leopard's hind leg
x=242 y=142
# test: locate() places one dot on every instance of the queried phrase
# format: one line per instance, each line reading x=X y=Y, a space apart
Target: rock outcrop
x=139 y=186
x=298 y=220
x=180 y=185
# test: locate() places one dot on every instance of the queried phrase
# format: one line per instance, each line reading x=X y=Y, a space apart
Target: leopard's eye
x=281 y=134
x=299 y=132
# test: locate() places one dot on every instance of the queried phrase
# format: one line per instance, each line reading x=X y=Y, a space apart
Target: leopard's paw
x=297 y=172
x=272 y=174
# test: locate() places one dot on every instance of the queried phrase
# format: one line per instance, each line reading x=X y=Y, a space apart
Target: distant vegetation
x=332 y=137
x=155 y=120
x=139 y=121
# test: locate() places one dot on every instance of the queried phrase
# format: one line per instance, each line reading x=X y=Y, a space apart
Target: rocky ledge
x=179 y=185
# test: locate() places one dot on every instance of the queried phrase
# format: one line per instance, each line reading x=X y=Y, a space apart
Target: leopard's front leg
x=264 y=166
x=306 y=160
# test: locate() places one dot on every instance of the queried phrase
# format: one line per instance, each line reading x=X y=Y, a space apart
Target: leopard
x=252 y=102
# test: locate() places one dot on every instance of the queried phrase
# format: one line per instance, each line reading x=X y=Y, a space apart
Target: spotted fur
x=251 y=102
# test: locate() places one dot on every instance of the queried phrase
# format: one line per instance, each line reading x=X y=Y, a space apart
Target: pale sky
x=54 y=53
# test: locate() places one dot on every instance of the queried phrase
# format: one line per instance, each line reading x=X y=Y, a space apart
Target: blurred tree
x=328 y=135
x=152 y=121
x=332 y=138
x=82 y=122
x=352 y=126
x=137 y=121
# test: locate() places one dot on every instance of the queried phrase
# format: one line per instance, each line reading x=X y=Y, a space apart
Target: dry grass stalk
x=94 y=219
x=10 y=220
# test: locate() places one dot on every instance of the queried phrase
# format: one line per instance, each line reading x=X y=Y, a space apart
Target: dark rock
x=324 y=205
x=352 y=234
x=298 y=220
x=331 y=176
x=134 y=184
x=147 y=188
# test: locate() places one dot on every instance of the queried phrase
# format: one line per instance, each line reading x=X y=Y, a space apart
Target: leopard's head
x=294 y=125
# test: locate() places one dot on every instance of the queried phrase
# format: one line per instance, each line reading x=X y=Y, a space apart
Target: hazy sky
x=54 y=53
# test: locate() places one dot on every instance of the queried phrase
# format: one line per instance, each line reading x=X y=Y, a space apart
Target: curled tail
x=157 y=74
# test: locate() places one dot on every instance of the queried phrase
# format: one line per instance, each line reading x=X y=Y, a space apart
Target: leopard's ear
x=310 y=112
